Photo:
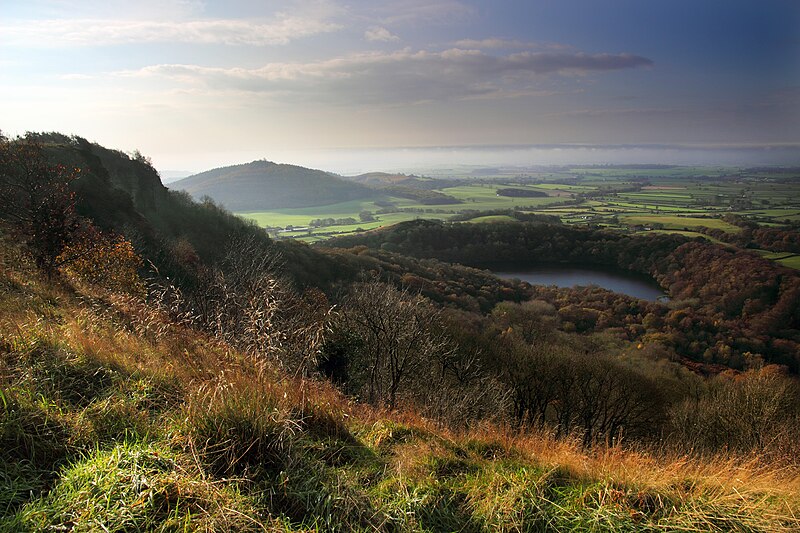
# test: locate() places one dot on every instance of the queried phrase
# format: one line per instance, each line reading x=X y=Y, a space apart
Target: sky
x=356 y=85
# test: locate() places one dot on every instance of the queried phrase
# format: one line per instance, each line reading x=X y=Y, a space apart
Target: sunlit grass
x=680 y=223
x=115 y=419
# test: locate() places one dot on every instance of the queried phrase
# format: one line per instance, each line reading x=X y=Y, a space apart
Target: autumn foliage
x=38 y=204
x=106 y=260
x=39 y=209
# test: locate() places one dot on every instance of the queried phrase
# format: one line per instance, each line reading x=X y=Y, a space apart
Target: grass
x=302 y=216
x=115 y=419
x=791 y=262
x=492 y=218
x=680 y=223
x=135 y=486
x=484 y=197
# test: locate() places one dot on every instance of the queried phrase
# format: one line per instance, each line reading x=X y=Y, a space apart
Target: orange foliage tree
x=37 y=203
x=106 y=260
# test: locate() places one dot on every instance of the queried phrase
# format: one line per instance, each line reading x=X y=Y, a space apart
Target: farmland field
x=692 y=201
x=679 y=223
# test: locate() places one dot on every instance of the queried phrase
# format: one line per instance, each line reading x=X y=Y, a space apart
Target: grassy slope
x=115 y=419
x=267 y=185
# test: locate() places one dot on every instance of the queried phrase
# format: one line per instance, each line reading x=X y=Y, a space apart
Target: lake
x=631 y=284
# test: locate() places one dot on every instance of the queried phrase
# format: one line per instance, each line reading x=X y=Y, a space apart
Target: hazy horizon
x=416 y=159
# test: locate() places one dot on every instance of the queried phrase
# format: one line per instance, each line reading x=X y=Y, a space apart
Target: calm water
x=566 y=276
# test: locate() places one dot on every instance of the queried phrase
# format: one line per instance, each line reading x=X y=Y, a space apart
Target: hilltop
x=261 y=185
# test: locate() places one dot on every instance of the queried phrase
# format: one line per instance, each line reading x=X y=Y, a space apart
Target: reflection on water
x=568 y=276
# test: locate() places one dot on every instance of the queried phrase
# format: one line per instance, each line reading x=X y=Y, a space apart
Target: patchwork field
x=678 y=222
x=692 y=201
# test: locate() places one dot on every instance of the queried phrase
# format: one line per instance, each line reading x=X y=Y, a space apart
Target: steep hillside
x=124 y=194
x=115 y=418
x=263 y=185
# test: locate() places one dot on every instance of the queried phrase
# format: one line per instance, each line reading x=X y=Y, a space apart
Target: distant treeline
x=520 y=193
x=423 y=196
x=786 y=239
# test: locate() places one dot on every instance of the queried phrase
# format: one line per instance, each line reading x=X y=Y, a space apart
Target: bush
x=757 y=411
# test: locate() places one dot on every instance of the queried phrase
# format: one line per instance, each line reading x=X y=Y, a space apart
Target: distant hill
x=381 y=180
x=262 y=185
x=419 y=189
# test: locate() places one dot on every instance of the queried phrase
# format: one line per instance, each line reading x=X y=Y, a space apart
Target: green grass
x=679 y=223
x=134 y=486
x=484 y=197
x=791 y=262
x=492 y=218
x=302 y=216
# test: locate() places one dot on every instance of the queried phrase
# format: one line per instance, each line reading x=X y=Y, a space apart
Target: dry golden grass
x=235 y=423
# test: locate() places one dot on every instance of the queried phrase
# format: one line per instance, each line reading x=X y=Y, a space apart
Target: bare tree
x=248 y=303
x=397 y=342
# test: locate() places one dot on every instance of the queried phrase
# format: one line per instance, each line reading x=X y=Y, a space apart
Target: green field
x=478 y=197
x=492 y=218
x=679 y=223
x=680 y=200
x=791 y=262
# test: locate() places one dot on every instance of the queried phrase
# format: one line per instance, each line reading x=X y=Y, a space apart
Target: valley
x=420 y=266
x=714 y=203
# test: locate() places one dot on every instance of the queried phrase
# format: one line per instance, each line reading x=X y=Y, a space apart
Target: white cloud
x=98 y=32
x=380 y=34
x=508 y=44
x=429 y=11
x=403 y=76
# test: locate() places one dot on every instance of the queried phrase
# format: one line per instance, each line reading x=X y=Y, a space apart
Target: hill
x=411 y=187
x=262 y=185
x=368 y=390
x=383 y=178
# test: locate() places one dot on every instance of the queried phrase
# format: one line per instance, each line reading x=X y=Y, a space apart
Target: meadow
x=683 y=200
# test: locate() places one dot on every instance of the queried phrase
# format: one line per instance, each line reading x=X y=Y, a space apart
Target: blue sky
x=197 y=84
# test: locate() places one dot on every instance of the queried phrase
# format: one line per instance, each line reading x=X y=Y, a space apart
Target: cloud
x=576 y=62
x=404 y=76
x=98 y=32
x=380 y=34
x=429 y=11
x=113 y=9
x=508 y=44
